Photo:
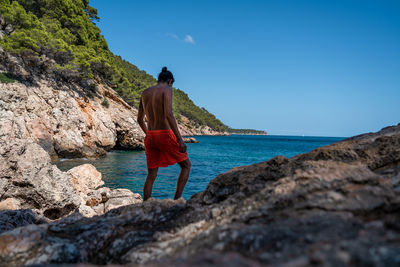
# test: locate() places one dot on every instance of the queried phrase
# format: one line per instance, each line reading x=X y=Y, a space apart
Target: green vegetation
x=105 y=102
x=245 y=131
x=184 y=106
x=65 y=31
x=6 y=77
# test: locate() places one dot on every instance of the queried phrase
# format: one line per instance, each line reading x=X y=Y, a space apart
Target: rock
x=9 y=204
x=31 y=180
x=11 y=219
x=190 y=140
x=121 y=197
x=85 y=178
x=105 y=199
x=28 y=179
x=65 y=122
x=336 y=205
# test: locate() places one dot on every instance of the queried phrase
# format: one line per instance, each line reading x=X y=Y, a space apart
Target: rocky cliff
x=71 y=119
x=188 y=128
x=334 y=206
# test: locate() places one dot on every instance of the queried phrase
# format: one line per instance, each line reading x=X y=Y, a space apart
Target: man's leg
x=183 y=177
x=148 y=185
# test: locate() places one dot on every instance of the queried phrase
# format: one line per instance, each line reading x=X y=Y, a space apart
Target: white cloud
x=189 y=39
x=173 y=35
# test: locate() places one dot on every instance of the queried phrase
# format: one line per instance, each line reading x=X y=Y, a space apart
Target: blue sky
x=324 y=68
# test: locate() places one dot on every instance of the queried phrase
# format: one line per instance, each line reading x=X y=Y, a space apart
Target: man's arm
x=140 y=117
x=171 y=119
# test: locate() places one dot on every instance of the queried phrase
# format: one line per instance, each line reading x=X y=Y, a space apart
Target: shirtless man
x=163 y=143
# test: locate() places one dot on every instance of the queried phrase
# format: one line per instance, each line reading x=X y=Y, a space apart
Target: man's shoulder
x=157 y=88
x=147 y=90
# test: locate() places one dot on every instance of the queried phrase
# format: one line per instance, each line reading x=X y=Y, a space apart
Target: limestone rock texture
x=337 y=205
x=65 y=122
x=29 y=181
x=42 y=121
x=75 y=118
x=69 y=121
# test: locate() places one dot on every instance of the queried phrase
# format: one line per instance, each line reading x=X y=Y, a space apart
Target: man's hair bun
x=165 y=75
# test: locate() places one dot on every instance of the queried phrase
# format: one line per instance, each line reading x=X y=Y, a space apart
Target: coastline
x=72 y=159
x=297 y=202
x=247 y=134
x=212 y=156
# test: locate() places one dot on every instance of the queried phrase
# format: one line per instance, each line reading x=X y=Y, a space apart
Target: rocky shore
x=43 y=119
x=334 y=206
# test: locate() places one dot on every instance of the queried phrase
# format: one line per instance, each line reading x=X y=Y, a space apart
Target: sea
x=211 y=156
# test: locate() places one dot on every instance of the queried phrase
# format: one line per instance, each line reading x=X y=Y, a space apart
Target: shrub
x=93 y=87
x=105 y=102
x=6 y=77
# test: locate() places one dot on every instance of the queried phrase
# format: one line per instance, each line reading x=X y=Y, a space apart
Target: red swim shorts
x=162 y=149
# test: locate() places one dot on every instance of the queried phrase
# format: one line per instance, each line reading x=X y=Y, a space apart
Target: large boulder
x=30 y=179
x=85 y=178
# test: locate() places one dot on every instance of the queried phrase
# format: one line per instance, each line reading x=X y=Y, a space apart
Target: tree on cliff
x=65 y=31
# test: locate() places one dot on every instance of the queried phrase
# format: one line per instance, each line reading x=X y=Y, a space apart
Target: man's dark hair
x=165 y=75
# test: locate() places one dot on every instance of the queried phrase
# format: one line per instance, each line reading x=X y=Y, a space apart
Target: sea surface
x=211 y=156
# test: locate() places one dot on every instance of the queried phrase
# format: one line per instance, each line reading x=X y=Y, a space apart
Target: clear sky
x=325 y=68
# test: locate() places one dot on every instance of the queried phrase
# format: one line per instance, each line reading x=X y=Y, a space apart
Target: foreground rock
x=334 y=206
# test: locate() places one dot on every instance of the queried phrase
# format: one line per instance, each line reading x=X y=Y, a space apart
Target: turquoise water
x=212 y=156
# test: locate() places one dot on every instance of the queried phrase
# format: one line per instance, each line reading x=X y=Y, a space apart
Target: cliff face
x=336 y=205
x=66 y=123
x=188 y=128
x=72 y=120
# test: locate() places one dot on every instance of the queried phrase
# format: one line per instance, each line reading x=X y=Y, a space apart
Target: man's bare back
x=161 y=150
x=153 y=101
x=156 y=104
